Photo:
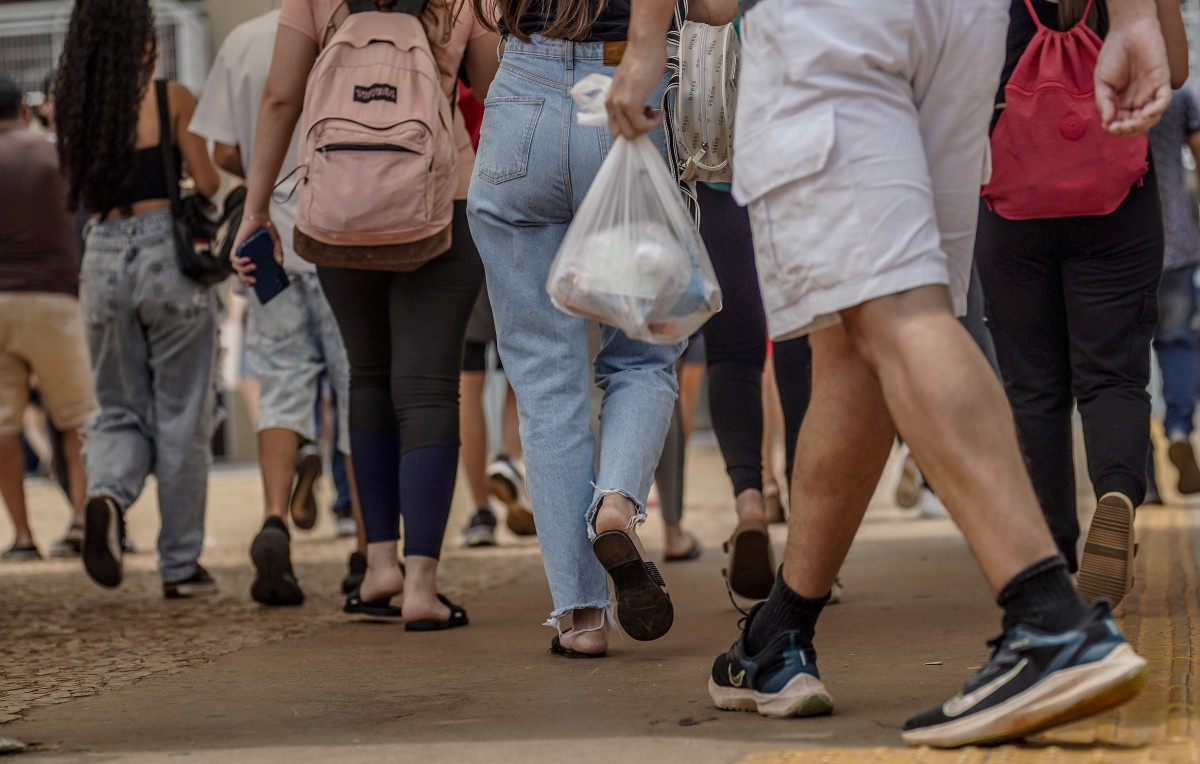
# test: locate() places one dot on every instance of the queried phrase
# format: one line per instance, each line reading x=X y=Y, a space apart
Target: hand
x=637 y=78
x=251 y=224
x=1133 y=86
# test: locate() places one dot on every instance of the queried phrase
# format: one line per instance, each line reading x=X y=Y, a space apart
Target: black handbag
x=195 y=217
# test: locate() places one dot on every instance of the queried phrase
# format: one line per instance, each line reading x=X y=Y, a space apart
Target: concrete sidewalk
x=910 y=630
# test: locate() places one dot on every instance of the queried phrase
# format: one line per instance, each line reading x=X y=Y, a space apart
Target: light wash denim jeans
x=534 y=167
x=290 y=342
x=1175 y=343
x=152 y=335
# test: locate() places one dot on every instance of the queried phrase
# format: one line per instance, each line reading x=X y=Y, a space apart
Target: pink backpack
x=376 y=150
x=1051 y=158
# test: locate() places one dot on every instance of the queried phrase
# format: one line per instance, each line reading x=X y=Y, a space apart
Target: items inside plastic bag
x=632 y=258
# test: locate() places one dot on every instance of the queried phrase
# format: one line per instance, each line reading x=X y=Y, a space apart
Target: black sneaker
x=481 y=530
x=103 y=534
x=303 y=504
x=274 y=580
x=199 y=584
x=781 y=681
x=358 y=569
x=1036 y=681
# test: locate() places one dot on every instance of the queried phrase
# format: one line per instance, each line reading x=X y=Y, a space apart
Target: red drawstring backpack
x=1051 y=157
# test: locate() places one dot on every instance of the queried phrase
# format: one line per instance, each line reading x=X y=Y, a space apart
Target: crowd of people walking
x=853 y=235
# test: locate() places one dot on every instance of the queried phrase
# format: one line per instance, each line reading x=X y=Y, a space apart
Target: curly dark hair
x=106 y=65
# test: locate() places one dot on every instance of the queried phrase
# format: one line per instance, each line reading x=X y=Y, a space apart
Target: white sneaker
x=506 y=481
x=930 y=507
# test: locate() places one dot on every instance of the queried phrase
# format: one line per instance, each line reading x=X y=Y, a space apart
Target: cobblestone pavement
x=63 y=637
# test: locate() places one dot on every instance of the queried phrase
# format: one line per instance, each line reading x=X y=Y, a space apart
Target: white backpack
x=377 y=151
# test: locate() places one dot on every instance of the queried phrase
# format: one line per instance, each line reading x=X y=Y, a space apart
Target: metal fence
x=32 y=36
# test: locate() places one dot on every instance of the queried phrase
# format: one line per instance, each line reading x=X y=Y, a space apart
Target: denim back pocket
x=508 y=126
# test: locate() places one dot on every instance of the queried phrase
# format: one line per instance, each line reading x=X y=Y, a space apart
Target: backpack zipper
x=361 y=147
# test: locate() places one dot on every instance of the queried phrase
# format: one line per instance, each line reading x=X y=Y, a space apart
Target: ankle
x=616 y=512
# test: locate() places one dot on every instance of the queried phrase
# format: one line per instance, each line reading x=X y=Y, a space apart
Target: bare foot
x=588 y=634
x=421 y=602
x=678 y=542
x=381 y=582
x=614 y=515
x=750 y=507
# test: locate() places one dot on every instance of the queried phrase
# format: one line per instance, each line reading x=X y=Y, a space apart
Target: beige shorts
x=42 y=334
x=861 y=145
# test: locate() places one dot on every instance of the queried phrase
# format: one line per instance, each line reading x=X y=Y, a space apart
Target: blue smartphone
x=269 y=276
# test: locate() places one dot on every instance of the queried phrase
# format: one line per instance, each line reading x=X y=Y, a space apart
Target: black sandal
x=557 y=648
x=380 y=608
x=644 y=608
x=458 y=617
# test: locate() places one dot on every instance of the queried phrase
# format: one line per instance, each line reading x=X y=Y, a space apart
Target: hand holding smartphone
x=269 y=276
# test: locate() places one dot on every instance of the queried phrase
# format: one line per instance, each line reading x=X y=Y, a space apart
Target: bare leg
x=691 y=375
x=76 y=477
x=277 y=449
x=951 y=411
x=12 y=486
x=472 y=429
x=510 y=438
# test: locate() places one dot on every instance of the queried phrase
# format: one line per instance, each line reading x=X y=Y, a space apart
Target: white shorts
x=861 y=145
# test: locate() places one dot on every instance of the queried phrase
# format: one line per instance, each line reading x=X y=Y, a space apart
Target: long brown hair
x=573 y=19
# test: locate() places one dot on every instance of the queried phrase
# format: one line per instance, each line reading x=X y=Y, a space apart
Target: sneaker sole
x=643 y=609
x=751 y=563
x=1106 y=567
x=804 y=695
x=274 y=585
x=1184 y=458
x=1063 y=697
x=502 y=483
x=101 y=547
x=302 y=507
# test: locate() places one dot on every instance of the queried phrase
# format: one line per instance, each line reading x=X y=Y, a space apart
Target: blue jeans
x=290 y=342
x=535 y=165
x=1175 y=343
x=152 y=334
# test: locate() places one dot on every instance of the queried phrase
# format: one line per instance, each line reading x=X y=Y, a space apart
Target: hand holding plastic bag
x=632 y=258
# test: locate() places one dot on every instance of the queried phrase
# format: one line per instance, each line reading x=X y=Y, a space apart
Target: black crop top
x=611 y=26
x=151 y=180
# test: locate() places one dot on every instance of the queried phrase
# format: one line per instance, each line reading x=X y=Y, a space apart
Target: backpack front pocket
x=365 y=186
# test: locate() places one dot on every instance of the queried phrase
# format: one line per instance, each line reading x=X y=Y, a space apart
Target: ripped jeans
x=534 y=167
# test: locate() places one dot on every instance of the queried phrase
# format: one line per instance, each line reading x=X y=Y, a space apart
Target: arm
x=1133 y=88
x=195 y=152
x=641 y=69
x=713 y=12
x=1170 y=18
x=228 y=158
x=282 y=102
x=482 y=63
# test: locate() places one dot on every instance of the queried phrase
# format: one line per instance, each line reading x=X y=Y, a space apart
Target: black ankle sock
x=1042 y=596
x=784 y=611
x=275 y=522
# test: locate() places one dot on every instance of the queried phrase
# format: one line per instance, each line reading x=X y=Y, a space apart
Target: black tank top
x=151 y=180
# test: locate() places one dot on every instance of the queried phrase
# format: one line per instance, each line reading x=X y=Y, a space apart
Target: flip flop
x=380 y=608
x=751 y=571
x=458 y=617
x=556 y=647
x=644 y=608
x=693 y=552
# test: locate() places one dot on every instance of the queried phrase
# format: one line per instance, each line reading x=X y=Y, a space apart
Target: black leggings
x=404 y=337
x=736 y=345
x=1072 y=304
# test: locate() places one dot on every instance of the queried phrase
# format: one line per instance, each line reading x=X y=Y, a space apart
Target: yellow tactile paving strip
x=1162 y=620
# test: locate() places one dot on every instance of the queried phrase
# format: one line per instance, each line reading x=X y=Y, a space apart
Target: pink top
x=311 y=18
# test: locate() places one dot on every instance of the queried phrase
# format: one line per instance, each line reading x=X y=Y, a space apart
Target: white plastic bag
x=632 y=258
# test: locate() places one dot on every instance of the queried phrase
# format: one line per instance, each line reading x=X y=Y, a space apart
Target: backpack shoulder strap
x=166 y=143
x=1033 y=12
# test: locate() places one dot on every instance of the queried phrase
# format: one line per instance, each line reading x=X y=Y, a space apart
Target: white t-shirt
x=228 y=113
